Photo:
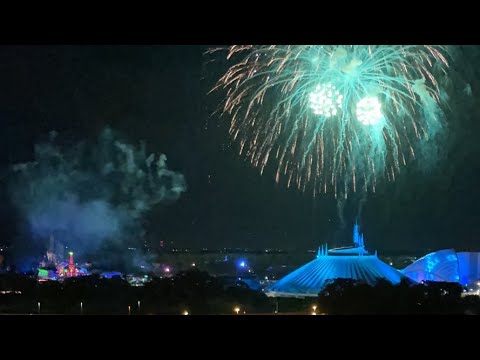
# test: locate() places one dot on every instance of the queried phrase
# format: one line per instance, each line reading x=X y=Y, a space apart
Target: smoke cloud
x=89 y=193
x=361 y=203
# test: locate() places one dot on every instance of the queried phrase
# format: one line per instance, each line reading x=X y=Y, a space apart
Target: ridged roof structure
x=348 y=263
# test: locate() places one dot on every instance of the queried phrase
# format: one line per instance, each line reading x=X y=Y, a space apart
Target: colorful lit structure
x=348 y=263
x=71 y=270
x=446 y=265
x=63 y=270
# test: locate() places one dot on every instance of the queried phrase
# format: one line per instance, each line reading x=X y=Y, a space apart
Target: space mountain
x=352 y=262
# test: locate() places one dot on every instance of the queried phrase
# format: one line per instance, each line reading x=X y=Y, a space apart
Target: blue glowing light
x=442 y=265
x=311 y=278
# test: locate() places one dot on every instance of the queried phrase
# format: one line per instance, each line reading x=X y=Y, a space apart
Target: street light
x=314 y=307
x=81 y=308
x=185 y=312
x=38 y=307
x=236 y=309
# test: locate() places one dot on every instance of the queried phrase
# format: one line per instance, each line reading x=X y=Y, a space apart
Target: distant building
x=63 y=270
x=347 y=263
x=446 y=265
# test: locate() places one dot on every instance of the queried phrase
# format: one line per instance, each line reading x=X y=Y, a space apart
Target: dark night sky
x=159 y=93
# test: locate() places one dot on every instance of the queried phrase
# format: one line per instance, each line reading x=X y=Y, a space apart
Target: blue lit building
x=348 y=263
x=446 y=265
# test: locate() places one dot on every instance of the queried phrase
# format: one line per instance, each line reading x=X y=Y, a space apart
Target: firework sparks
x=329 y=116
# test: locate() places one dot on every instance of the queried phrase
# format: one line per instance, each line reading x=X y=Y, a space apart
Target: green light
x=70 y=253
x=42 y=272
x=325 y=100
x=369 y=111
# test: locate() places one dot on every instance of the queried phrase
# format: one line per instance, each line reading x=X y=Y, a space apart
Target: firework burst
x=332 y=118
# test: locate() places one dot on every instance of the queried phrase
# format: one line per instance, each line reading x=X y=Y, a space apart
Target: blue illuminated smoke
x=90 y=192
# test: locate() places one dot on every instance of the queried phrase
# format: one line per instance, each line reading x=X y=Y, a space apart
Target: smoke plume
x=90 y=193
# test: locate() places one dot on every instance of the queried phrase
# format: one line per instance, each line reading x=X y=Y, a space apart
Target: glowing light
x=369 y=111
x=185 y=312
x=236 y=310
x=70 y=253
x=314 y=307
x=167 y=269
x=242 y=264
x=193 y=264
x=325 y=100
x=300 y=107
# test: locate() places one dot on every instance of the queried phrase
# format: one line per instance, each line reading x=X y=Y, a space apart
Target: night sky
x=159 y=94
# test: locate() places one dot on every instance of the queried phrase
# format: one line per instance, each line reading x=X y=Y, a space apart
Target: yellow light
x=314 y=307
x=237 y=310
x=314 y=313
x=185 y=312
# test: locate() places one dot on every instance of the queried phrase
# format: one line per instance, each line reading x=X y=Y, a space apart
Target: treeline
x=192 y=291
x=198 y=293
x=346 y=296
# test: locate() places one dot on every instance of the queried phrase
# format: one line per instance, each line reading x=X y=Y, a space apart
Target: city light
x=237 y=310
x=314 y=307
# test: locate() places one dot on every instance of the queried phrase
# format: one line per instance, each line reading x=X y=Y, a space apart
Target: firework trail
x=332 y=118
